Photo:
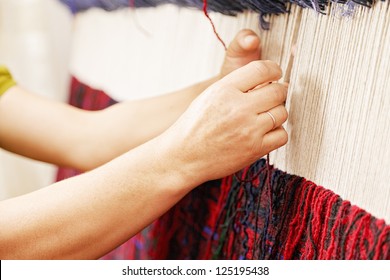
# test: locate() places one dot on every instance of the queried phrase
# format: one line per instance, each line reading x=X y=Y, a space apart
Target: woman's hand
x=227 y=127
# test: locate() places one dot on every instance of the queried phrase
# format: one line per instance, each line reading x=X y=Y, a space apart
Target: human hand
x=244 y=48
x=227 y=127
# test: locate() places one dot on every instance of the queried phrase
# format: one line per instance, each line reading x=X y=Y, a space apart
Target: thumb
x=246 y=41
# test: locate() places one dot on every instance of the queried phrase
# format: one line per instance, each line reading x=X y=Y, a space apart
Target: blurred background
x=35 y=38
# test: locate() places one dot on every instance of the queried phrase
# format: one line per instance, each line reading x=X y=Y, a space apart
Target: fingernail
x=249 y=40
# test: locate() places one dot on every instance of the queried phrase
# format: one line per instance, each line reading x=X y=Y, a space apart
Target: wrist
x=178 y=170
x=163 y=169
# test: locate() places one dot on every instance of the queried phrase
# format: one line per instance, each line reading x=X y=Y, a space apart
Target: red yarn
x=132 y=3
x=307 y=222
x=212 y=24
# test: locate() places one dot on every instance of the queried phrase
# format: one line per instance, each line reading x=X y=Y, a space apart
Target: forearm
x=39 y=128
x=121 y=127
x=57 y=133
x=89 y=215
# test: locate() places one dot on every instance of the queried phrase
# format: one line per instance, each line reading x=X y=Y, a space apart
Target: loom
x=339 y=104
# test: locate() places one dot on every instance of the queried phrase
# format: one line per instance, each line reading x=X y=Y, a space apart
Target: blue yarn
x=229 y=7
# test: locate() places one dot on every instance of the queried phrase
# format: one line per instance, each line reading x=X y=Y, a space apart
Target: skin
x=94 y=138
x=85 y=139
x=221 y=131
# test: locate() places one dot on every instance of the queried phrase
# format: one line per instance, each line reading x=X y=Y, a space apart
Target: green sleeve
x=6 y=80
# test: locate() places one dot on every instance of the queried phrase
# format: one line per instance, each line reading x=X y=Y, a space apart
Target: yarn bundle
x=228 y=7
x=234 y=218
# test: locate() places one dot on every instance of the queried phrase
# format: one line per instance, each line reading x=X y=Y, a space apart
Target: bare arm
x=87 y=216
x=224 y=129
x=57 y=133
x=61 y=134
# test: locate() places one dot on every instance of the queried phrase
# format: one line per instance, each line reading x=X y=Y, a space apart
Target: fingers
x=274 y=139
x=246 y=41
x=272 y=118
x=268 y=96
x=253 y=74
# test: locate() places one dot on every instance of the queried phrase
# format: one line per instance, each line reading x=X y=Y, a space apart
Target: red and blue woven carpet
x=258 y=213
